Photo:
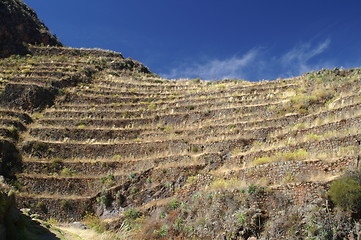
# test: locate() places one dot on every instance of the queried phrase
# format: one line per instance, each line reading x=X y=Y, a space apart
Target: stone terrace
x=116 y=130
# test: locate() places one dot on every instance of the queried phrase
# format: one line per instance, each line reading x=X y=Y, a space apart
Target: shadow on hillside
x=21 y=227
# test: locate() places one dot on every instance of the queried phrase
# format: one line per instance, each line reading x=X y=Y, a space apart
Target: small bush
x=179 y=224
x=300 y=154
x=251 y=189
x=132 y=176
x=56 y=164
x=168 y=128
x=191 y=107
x=132 y=213
x=174 y=204
x=42 y=207
x=345 y=192
x=313 y=137
x=81 y=126
x=262 y=160
x=127 y=114
x=300 y=126
x=64 y=204
x=40 y=147
x=116 y=157
x=163 y=232
x=241 y=219
x=104 y=198
x=196 y=80
x=94 y=222
x=66 y=172
x=229 y=184
x=196 y=149
x=152 y=106
x=134 y=190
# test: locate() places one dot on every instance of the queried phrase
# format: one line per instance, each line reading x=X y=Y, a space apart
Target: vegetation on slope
x=90 y=136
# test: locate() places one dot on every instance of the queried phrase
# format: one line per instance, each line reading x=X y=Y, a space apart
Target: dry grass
x=298 y=155
x=220 y=184
x=90 y=234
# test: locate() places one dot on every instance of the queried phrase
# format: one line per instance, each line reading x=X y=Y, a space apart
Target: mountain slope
x=187 y=158
x=87 y=135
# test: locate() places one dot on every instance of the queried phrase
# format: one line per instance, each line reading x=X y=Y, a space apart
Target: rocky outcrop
x=10 y=159
x=27 y=97
x=19 y=26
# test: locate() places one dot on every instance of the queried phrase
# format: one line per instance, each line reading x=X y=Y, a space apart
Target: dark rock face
x=10 y=159
x=27 y=97
x=19 y=26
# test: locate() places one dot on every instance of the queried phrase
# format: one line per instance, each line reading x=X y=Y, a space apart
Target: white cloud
x=256 y=64
x=296 y=61
x=216 y=69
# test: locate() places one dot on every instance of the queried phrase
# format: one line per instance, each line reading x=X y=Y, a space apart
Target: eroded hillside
x=95 y=135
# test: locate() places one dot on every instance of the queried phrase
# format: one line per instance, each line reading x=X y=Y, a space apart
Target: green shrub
x=251 y=189
x=111 y=177
x=64 y=204
x=163 y=231
x=116 y=157
x=168 y=128
x=94 y=222
x=152 y=106
x=345 y=192
x=191 y=107
x=240 y=217
x=162 y=214
x=132 y=213
x=42 y=207
x=300 y=154
x=40 y=147
x=178 y=224
x=134 y=190
x=221 y=184
x=196 y=149
x=104 y=198
x=262 y=160
x=312 y=137
x=132 y=176
x=66 y=172
x=174 y=204
x=127 y=114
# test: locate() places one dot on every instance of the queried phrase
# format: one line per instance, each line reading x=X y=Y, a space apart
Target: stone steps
x=335 y=126
x=66 y=150
x=330 y=146
x=107 y=103
x=61 y=185
x=101 y=167
x=73 y=52
x=295 y=171
x=30 y=73
x=251 y=89
x=140 y=135
x=67 y=208
x=179 y=119
x=154 y=109
x=18 y=124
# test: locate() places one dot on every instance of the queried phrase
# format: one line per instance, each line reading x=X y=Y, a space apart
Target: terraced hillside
x=96 y=133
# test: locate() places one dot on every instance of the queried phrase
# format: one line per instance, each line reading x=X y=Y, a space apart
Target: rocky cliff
x=19 y=26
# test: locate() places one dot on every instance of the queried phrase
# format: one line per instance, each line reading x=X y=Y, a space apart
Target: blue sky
x=252 y=40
